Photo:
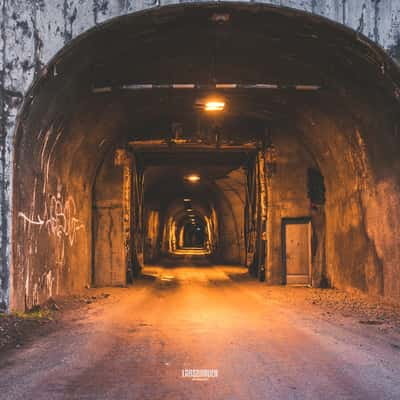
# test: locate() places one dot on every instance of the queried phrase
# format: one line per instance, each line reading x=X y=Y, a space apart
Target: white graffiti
x=47 y=152
x=59 y=218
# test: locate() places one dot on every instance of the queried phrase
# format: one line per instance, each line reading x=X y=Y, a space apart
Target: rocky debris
x=367 y=310
x=94 y=298
x=371 y=322
x=331 y=303
x=52 y=305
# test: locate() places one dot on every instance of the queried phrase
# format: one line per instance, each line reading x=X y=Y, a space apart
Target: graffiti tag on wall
x=59 y=218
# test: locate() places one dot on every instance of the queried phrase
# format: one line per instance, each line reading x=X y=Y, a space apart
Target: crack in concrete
x=376 y=20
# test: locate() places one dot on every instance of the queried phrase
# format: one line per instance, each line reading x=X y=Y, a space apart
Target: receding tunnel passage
x=200 y=198
x=191 y=233
x=180 y=201
x=245 y=135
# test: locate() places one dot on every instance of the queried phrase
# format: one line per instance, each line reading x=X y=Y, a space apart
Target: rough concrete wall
x=231 y=203
x=152 y=244
x=288 y=192
x=33 y=31
x=361 y=170
x=4 y=267
x=53 y=204
x=53 y=221
x=108 y=237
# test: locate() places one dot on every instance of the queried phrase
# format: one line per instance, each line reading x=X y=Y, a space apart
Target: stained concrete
x=108 y=228
x=288 y=197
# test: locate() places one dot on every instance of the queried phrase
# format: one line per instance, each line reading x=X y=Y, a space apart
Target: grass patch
x=34 y=315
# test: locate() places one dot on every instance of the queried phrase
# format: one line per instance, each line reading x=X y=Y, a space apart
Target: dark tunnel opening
x=188 y=206
x=192 y=233
x=241 y=138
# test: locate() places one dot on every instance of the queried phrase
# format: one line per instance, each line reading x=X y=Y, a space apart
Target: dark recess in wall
x=316 y=186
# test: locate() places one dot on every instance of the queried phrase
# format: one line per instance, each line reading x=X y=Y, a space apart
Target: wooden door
x=297 y=252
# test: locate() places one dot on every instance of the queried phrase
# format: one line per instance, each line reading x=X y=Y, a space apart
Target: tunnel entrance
x=141 y=113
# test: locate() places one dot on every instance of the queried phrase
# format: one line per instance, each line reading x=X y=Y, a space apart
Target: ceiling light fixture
x=214 y=106
x=193 y=178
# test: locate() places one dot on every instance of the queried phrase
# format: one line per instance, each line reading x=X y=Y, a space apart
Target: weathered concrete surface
x=361 y=215
x=32 y=33
x=108 y=267
x=230 y=206
x=267 y=343
x=287 y=195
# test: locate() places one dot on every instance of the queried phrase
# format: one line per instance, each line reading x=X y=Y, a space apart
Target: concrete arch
x=65 y=128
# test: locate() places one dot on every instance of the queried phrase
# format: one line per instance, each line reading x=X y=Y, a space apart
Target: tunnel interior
x=199 y=198
x=118 y=161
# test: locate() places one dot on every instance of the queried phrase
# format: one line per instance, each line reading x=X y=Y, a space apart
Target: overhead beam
x=154 y=146
x=217 y=86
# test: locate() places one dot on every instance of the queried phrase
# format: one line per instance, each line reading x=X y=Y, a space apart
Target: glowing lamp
x=214 y=106
x=193 y=178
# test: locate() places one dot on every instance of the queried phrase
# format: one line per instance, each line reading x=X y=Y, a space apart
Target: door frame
x=294 y=221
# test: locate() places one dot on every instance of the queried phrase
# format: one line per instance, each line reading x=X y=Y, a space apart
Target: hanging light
x=193 y=178
x=214 y=105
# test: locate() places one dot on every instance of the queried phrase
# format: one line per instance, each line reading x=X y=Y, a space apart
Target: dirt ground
x=147 y=341
x=19 y=329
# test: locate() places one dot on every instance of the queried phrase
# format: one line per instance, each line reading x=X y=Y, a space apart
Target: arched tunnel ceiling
x=166 y=189
x=167 y=177
x=186 y=44
x=257 y=44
